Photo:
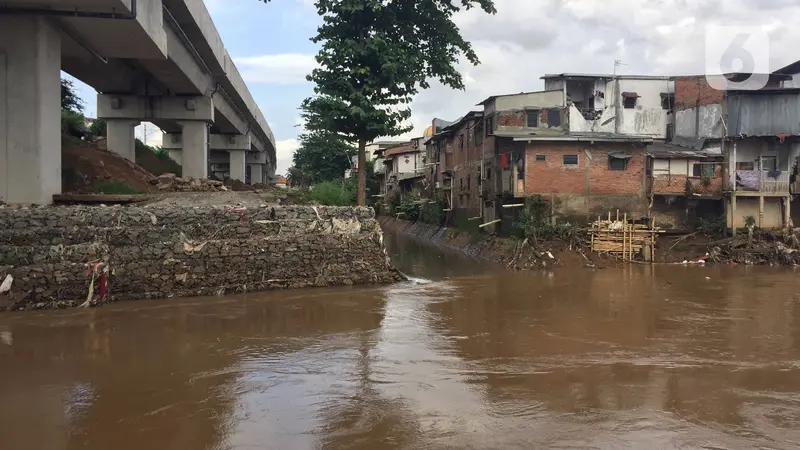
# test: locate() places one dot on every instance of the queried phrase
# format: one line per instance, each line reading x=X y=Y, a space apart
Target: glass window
x=769 y=163
x=533 y=118
x=617 y=163
x=570 y=160
x=541 y=157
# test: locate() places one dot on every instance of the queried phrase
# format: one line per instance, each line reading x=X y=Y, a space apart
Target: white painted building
x=633 y=105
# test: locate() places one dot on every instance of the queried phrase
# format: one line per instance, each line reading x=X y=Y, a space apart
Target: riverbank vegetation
x=374 y=58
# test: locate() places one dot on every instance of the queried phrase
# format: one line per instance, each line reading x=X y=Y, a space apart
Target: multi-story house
x=542 y=148
x=756 y=132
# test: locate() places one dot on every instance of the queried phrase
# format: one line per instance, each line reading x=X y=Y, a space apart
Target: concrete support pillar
x=30 y=110
x=256 y=173
x=761 y=211
x=194 y=141
x=121 y=137
x=237 y=165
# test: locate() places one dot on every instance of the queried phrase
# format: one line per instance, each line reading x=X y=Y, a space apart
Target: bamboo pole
x=489 y=223
x=624 y=235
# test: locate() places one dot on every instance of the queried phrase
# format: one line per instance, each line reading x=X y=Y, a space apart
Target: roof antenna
x=617 y=64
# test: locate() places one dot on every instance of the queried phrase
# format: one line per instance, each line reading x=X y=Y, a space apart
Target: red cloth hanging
x=503 y=160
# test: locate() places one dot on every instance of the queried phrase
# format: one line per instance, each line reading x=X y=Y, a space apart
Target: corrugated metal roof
x=408 y=148
x=665 y=150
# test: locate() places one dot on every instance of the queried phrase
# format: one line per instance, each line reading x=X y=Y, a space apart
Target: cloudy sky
x=523 y=41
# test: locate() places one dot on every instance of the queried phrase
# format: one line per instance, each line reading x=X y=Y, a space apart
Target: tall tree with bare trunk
x=375 y=56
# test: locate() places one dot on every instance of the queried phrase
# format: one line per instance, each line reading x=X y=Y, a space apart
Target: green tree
x=322 y=156
x=298 y=178
x=375 y=56
x=69 y=99
x=99 y=127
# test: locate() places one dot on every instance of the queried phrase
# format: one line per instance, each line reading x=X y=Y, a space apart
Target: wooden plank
x=489 y=223
x=99 y=198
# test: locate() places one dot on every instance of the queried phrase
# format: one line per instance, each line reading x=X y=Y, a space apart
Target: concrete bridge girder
x=157 y=50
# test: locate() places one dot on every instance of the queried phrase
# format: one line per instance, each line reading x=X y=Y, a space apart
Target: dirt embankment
x=88 y=168
x=506 y=252
x=85 y=167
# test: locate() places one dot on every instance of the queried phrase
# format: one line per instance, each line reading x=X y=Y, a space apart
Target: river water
x=463 y=357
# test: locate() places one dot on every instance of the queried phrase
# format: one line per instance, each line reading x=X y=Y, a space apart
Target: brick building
x=584 y=178
x=685 y=184
x=535 y=153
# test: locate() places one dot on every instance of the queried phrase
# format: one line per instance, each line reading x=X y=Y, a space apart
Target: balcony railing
x=761 y=181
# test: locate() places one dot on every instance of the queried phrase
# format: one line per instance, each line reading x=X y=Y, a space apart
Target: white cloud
x=528 y=38
x=284 y=68
x=149 y=134
x=284 y=152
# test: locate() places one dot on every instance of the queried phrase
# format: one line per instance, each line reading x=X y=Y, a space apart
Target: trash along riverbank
x=573 y=248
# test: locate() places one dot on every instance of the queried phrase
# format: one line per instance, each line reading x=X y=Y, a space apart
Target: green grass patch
x=332 y=193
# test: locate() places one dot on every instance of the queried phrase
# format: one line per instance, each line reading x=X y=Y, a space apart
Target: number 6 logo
x=737 y=50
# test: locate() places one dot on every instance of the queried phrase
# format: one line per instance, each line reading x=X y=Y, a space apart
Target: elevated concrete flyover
x=161 y=61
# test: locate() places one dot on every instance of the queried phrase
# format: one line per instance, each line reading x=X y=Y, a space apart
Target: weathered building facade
x=631 y=105
x=757 y=134
x=673 y=147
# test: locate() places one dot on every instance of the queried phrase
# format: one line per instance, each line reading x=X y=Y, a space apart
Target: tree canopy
x=69 y=99
x=322 y=156
x=375 y=56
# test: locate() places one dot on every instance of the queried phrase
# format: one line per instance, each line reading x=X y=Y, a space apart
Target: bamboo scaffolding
x=622 y=239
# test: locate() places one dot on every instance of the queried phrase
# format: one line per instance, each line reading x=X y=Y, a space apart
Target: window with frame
x=533 y=118
x=629 y=99
x=617 y=163
x=629 y=102
x=769 y=163
x=667 y=100
x=478 y=131
x=704 y=170
x=541 y=157
x=469 y=181
x=553 y=118
x=745 y=165
x=570 y=160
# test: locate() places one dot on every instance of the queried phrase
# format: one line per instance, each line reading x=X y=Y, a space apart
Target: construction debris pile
x=168 y=182
x=620 y=238
x=758 y=248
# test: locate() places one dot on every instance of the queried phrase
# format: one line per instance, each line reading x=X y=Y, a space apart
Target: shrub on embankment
x=168 y=251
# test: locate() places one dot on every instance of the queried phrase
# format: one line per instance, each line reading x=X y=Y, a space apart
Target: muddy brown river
x=463 y=357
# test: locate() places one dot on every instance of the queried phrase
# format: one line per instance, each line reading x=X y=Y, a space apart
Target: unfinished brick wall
x=691 y=92
x=589 y=176
x=676 y=184
x=516 y=118
x=466 y=166
x=588 y=189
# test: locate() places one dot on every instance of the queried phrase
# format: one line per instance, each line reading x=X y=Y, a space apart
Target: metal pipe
x=186 y=41
x=74 y=13
x=199 y=59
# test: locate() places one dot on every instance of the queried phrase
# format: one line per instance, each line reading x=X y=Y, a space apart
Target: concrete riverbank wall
x=169 y=251
x=503 y=252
